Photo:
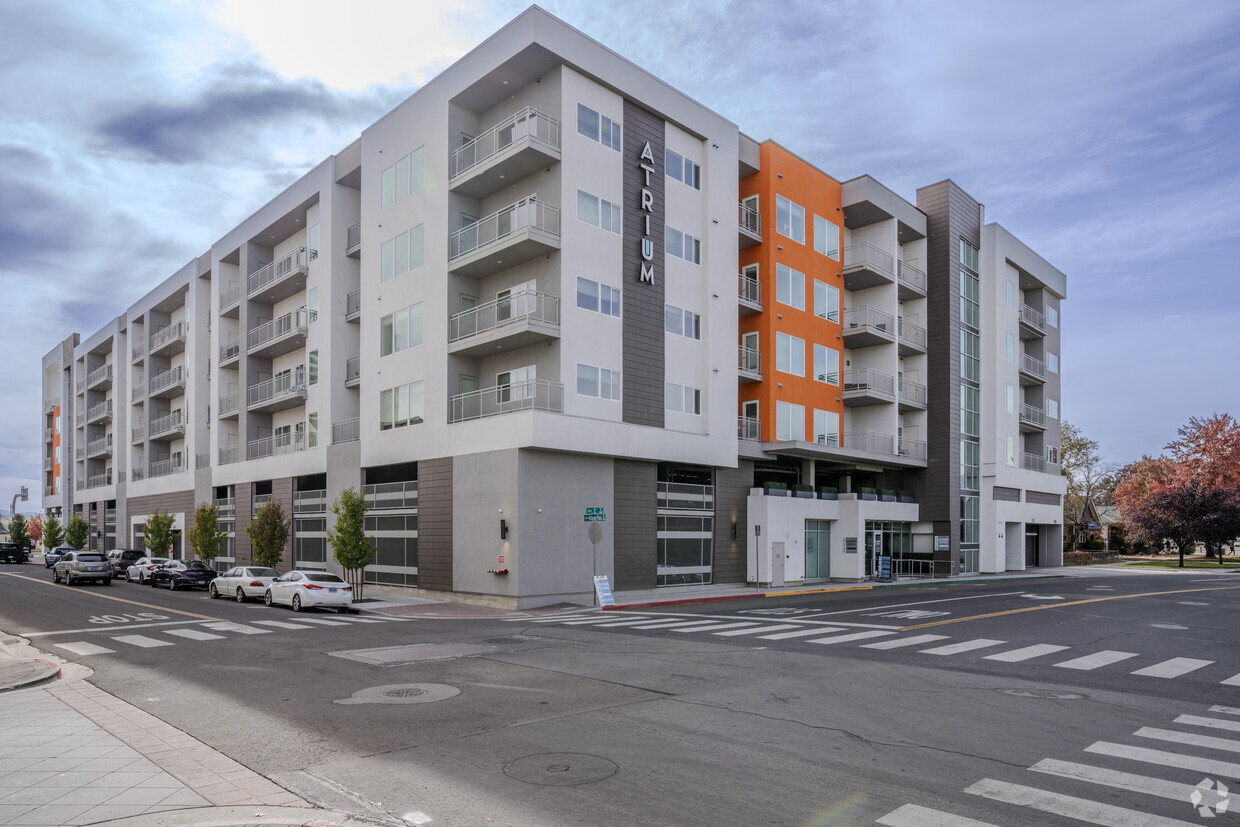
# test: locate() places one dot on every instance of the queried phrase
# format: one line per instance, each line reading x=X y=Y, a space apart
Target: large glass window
x=598 y=127
x=970 y=363
x=826 y=427
x=682 y=169
x=684 y=549
x=789 y=219
x=789 y=354
x=1052 y=408
x=598 y=297
x=826 y=364
x=1052 y=362
x=403 y=178
x=970 y=465
x=968 y=255
x=826 y=301
x=401 y=406
x=681 y=398
x=401 y=254
x=969 y=291
x=826 y=237
x=1010 y=347
x=682 y=322
x=1011 y=295
x=789 y=286
x=598 y=212
x=970 y=523
x=400 y=330
x=682 y=245
x=970 y=411
x=789 y=421
x=598 y=382
x=1052 y=316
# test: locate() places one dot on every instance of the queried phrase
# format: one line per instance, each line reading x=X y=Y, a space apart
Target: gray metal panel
x=1041 y=498
x=643 y=359
x=435 y=524
x=1005 y=494
x=731 y=492
x=636 y=526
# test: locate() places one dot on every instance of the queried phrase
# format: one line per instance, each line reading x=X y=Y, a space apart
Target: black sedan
x=176 y=574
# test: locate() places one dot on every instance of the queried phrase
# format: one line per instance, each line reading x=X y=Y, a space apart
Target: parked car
x=50 y=557
x=242 y=582
x=12 y=553
x=178 y=575
x=77 y=566
x=141 y=569
x=123 y=558
x=310 y=589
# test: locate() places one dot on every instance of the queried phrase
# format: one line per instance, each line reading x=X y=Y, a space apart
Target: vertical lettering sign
x=645 y=162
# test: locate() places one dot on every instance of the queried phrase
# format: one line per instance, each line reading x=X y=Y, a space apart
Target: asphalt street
x=1104 y=698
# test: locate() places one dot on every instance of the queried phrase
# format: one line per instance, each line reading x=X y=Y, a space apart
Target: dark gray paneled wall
x=171 y=501
x=731 y=492
x=1011 y=495
x=642 y=317
x=435 y=524
x=636 y=526
x=1041 y=498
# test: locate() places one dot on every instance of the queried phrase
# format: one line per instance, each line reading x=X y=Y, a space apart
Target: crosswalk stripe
x=84 y=648
x=559 y=619
x=716 y=627
x=776 y=628
x=915 y=640
x=1096 y=660
x=321 y=621
x=1172 y=668
x=966 y=646
x=1226 y=710
x=1082 y=809
x=667 y=624
x=1210 y=766
x=1027 y=653
x=696 y=624
x=352 y=619
x=1213 y=723
x=914 y=815
x=853 y=636
x=1188 y=739
x=193 y=634
x=239 y=628
x=622 y=623
x=142 y=641
x=280 y=624
x=817 y=630
x=1234 y=680
x=1114 y=778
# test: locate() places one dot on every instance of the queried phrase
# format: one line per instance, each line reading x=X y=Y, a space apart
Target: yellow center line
x=1060 y=606
x=117 y=599
x=818 y=591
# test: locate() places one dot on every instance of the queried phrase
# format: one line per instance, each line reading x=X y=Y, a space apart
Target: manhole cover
x=1049 y=694
x=403 y=693
x=409 y=693
x=561 y=769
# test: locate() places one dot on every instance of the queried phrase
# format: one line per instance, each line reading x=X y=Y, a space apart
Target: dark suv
x=123 y=559
x=12 y=553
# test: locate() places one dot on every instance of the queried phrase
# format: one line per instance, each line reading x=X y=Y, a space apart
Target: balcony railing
x=230 y=350
x=230 y=404
x=230 y=454
x=99 y=480
x=911 y=336
x=167 y=336
x=912 y=278
x=348 y=431
x=527 y=213
x=310 y=502
x=867 y=266
x=167 y=466
x=869 y=381
x=283 y=267
x=866 y=326
x=47 y=463
x=226 y=507
x=80 y=419
x=138 y=432
x=257 y=501
x=353 y=239
x=81 y=385
x=1037 y=462
x=138 y=394
x=230 y=296
x=96 y=447
x=100 y=411
x=529 y=395
x=1033 y=318
x=749 y=360
x=79 y=452
x=528 y=122
x=391 y=495
x=285 y=443
x=1033 y=415
x=167 y=379
x=871 y=441
x=137 y=353
x=685 y=496
x=294 y=323
x=202 y=459
x=352 y=371
x=285 y=386
x=1033 y=366
x=749 y=220
x=912 y=393
x=168 y=425
x=749 y=290
x=352 y=305
x=103 y=373
x=749 y=428
x=524 y=305
x=912 y=448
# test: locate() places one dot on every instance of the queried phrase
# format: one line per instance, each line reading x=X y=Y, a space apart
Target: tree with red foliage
x=34 y=528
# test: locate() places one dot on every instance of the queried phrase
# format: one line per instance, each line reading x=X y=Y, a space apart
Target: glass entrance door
x=817 y=549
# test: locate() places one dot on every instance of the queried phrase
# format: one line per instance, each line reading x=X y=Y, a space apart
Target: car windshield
x=264 y=573
x=91 y=558
x=198 y=565
x=324 y=578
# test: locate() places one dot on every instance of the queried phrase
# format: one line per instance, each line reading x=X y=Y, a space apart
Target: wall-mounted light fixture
x=503 y=529
x=733 y=531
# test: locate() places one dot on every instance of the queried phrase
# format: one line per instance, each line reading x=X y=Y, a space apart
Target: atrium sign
x=645 y=162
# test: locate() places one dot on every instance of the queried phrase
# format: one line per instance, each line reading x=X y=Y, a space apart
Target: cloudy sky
x=1103 y=134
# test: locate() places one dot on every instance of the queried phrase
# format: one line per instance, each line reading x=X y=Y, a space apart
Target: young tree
x=76 y=532
x=1088 y=475
x=17 y=531
x=350 y=546
x=157 y=534
x=34 y=528
x=204 y=535
x=53 y=532
x=268 y=534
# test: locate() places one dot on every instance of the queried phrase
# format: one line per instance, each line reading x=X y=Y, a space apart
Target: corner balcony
x=749 y=226
x=749 y=295
x=137 y=434
x=169 y=340
x=530 y=395
x=1036 y=462
x=912 y=339
x=99 y=480
x=748 y=428
x=515 y=148
x=278 y=394
x=1032 y=323
x=279 y=336
x=166 y=466
x=749 y=364
x=513 y=235
x=80 y=453
x=353 y=306
x=169 y=384
x=99 y=413
x=867 y=266
x=522 y=319
x=230 y=405
x=913 y=397
x=101 y=447
x=911 y=281
x=137 y=353
x=886 y=446
x=171 y=426
x=868 y=387
x=137 y=396
x=271 y=446
x=230 y=454
x=353 y=241
x=353 y=372
x=914 y=449
x=47 y=463
x=350 y=430
x=867 y=326
x=100 y=378
x=281 y=278
x=230 y=351
x=230 y=300
x=79 y=420
x=1032 y=419
x=1032 y=371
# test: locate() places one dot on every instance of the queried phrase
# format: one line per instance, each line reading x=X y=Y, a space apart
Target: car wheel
x=211 y=592
x=240 y=595
x=266 y=597
x=297 y=603
x=107 y=581
x=151 y=580
x=172 y=585
x=55 y=576
x=344 y=610
x=128 y=577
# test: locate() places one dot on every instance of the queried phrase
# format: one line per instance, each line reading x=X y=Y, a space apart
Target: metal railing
x=352 y=369
x=911 y=276
x=310 y=502
x=1033 y=366
x=230 y=295
x=911 y=333
x=225 y=507
x=912 y=392
x=749 y=428
x=749 y=219
x=870 y=257
x=257 y=501
x=523 y=305
x=748 y=289
x=348 y=431
x=1037 y=462
x=99 y=411
x=685 y=496
x=528 y=122
x=167 y=466
x=1033 y=415
x=528 y=213
x=137 y=474
x=867 y=316
x=165 y=425
x=528 y=395
x=202 y=459
x=295 y=321
x=282 y=267
x=80 y=419
x=353 y=237
x=137 y=352
x=170 y=377
x=81 y=385
x=285 y=443
x=167 y=335
x=138 y=394
x=229 y=404
x=912 y=448
x=868 y=379
x=230 y=454
x=1033 y=318
x=391 y=495
x=287 y=384
x=99 y=374
x=103 y=445
x=870 y=441
x=353 y=303
x=47 y=463
x=749 y=359
x=912 y=567
x=138 y=432
x=231 y=349
x=99 y=480
x=79 y=452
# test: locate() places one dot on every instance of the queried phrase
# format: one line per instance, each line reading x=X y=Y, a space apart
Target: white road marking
x=1223 y=769
x=321 y=621
x=352 y=619
x=1234 y=680
x=716 y=627
x=667 y=624
x=598 y=619
x=1097 y=659
x=1172 y=668
x=1027 y=653
x=118 y=627
x=84 y=648
x=193 y=634
x=1114 y=778
x=280 y=624
x=1226 y=710
x=913 y=815
x=1082 y=809
x=622 y=623
x=142 y=642
x=1188 y=739
x=967 y=646
x=847 y=638
x=777 y=628
x=239 y=628
x=817 y=630
x=559 y=619
x=1213 y=723
x=916 y=640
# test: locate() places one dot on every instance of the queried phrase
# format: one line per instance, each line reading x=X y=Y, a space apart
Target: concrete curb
x=241 y=817
x=19 y=670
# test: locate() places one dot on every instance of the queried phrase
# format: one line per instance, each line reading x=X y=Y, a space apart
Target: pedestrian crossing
x=154 y=638
x=886 y=638
x=1144 y=776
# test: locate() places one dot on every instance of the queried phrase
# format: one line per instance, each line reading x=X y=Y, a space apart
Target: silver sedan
x=242 y=582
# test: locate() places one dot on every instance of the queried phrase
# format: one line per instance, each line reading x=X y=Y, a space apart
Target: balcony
x=749 y=428
x=99 y=480
x=350 y=430
x=138 y=395
x=80 y=453
x=1036 y=462
x=749 y=364
x=1032 y=419
x=1032 y=323
x=47 y=433
x=171 y=426
x=169 y=384
x=867 y=266
x=867 y=326
x=226 y=507
x=913 y=397
x=166 y=466
x=515 y=148
x=353 y=241
x=101 y=447
x=353 y=306
x=279 y=336
x=505 y=238
x=911 y=281
x=749 y=226
x=281 y=278
x=749 y=295
x=137 y=354
x=100 y=378
x=230 y=351
x=522 y=319
x=230 y=454
x=285 y=391
x=310 y=502
x=285 y=443
x=99 y=413
x=868 y=387
x=230 y=405
x=1032 y=371
x=530 y=395
x=353 y=372
x=257 y=502
x=391 y=496
x=912 y=339
x=81 y=385
x=80 y=420
x=911 y=449
x=230 y=300
x=47 y=463
x=169 y=340
x=137 y=434
x=202 y=459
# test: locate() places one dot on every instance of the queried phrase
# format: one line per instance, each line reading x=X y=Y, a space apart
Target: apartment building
x=519 y=303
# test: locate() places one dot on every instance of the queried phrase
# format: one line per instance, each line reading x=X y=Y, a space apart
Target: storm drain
x=561 y=769
x=407 y=693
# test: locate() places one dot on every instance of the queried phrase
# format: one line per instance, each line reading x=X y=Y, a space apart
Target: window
x=598 y=297
x=401 y=330
x=826 y=237
x=682 y=169
x=682 y=322
x=970 y=363
x=789 y=286
x=401 y=254
x=970 y=463
x=312 y=241
x=314 y=304
x=969 y=313
x=513 y=385
x=1052 y=408
x=314 y=367
x=1052 y=454
x=789 y=422
x=1011 y=296
x=790 y=219
x=1052 y=362
x=598 y=382
x=1011 y=348
x=789 y=354
x=1011 y=399
x=970 y=411
x=681 y=398
x=404 y=177
x=826 y=427
x=970 y=519
x=826 y=364
x=683 y=245
x=312 y=421
x=968 y=255
x=598 y=127
x=1011 y=450
x=1052 y=316
x=401 y=406
x=826 y=301
x=598 y=212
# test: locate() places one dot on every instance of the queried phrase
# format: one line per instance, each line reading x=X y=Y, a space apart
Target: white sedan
x=243 y=582
x=141 y=570
x=309 y=589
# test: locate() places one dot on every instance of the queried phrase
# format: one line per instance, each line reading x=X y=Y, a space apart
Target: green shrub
x=1093 y=545
x=1077 y=558
x=775 y=486
x=803 y=487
